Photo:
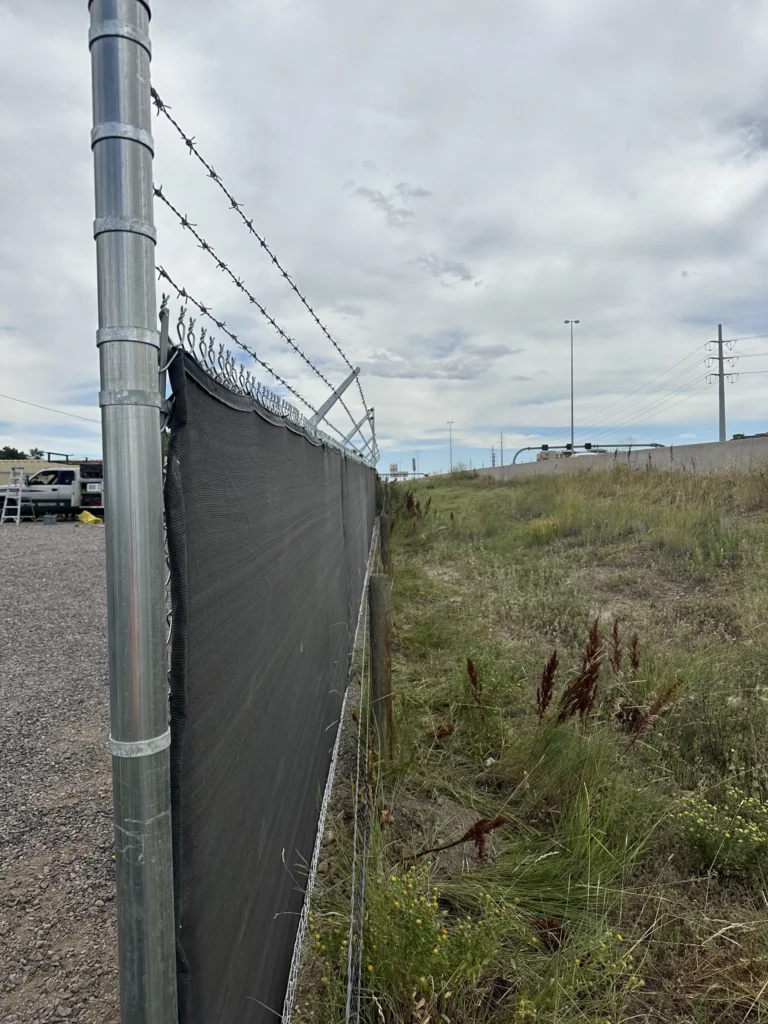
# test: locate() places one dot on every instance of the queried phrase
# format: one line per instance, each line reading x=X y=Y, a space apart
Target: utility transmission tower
x=493 y=457
x=501 y=449
x=721 y=375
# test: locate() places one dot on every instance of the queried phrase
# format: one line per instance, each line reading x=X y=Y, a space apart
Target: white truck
x=65 y=490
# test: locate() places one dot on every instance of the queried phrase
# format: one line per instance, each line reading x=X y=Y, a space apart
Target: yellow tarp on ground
x=86 y=517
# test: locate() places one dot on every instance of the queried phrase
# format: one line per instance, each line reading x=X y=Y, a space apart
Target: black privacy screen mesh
x=268 y=535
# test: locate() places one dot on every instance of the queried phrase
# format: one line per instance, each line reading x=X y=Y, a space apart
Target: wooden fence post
x=384 y=541
x=380 y=605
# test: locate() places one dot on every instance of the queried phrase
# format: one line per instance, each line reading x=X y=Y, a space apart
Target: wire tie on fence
x=174 y=352
x=140 y=748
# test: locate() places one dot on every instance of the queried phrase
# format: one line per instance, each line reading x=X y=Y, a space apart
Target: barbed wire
x=187 y=224
x=189 y=141
x=205 y=311
x=224 y=368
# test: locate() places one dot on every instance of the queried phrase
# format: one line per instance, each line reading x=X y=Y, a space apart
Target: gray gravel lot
x=58 y=945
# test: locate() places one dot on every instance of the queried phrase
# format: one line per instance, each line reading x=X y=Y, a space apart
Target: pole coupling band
x=118 y=130
x=145 y=335
x=120 y=30
x=133 y=225
x=127 y=397
x=140 y=748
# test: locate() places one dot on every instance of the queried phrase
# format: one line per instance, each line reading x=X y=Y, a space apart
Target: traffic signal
x=545 y=447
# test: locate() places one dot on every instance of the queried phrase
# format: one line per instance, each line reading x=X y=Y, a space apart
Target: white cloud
x=506 y=167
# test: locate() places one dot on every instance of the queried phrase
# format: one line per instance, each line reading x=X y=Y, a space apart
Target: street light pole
x=450 y=442
x=572 y=322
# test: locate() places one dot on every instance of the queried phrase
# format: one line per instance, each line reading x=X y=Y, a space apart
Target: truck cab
x=51 y=490
x=65 y=491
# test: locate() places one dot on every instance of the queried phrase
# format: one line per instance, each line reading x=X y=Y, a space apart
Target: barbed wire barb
x=190 y=142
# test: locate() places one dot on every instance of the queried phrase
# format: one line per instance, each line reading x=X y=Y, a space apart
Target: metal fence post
x=128 y=342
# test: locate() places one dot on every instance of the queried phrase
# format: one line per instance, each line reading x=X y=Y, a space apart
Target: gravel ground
x=58 y=945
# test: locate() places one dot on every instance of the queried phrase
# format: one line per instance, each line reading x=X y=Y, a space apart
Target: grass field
x=608 y=804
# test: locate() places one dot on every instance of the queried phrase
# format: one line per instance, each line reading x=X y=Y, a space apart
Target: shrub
x=731 y=835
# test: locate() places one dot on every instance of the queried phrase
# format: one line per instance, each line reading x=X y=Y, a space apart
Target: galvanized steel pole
x=572 y=322
x=572 y=440
x=128 y=342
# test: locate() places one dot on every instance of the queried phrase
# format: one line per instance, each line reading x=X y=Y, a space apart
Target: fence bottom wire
x=360 y=667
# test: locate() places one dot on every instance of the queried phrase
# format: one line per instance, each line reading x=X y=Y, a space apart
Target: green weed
x=627 y=883
x=731 y=834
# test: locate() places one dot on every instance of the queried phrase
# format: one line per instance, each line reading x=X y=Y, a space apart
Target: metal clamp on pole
x=128 y=343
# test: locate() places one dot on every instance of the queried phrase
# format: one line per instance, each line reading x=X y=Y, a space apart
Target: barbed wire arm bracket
x=329 y=403
x=368 y=444
x=357 y=426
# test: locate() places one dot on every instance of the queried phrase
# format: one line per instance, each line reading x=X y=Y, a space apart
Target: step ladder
x=13 y=505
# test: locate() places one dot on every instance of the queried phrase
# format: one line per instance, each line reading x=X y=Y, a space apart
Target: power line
x=601 y=417
x=686 y=399
x=657 y=407
x=60 y=412
x=654 y=405
x=620 y=401
x=674 y=404
x=638 y=403
x=189 y=141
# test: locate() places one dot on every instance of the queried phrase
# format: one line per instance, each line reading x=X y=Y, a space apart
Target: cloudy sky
x=447 y=181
